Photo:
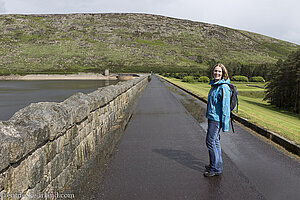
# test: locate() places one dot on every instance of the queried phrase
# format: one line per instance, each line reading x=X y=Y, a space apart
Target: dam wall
x=44 y=145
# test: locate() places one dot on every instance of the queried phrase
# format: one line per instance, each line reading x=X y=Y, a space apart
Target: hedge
x=203 y=79
x=188 y=79
x=240 y=78
x=257 y=79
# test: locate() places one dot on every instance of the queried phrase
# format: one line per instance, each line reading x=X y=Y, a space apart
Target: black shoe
x=211 y=174
x=207 y=167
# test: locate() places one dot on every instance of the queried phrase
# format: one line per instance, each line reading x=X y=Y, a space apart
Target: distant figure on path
x=218 y=115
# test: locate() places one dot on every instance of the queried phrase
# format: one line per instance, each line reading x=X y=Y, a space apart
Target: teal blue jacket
x=218 y=103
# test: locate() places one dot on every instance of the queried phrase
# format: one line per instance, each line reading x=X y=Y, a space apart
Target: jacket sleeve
x=225 y=108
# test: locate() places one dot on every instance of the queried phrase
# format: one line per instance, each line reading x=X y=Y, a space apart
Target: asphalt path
x=162 y=156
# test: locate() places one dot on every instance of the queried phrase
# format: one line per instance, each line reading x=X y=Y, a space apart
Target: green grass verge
x=253 y=108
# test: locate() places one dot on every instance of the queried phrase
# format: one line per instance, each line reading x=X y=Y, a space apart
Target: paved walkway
x=162 y=155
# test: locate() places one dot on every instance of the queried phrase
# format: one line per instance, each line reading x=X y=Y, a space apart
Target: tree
x=283 y=90
x=293 y=85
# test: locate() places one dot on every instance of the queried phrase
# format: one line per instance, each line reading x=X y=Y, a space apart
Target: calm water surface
x=15 y=95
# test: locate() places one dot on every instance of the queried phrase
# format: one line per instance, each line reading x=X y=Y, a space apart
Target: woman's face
x=217 y=73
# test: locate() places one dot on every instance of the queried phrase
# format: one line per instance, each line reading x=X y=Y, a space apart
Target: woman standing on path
x=218 y=115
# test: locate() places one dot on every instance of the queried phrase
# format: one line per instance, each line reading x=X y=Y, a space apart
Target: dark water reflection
x=15 y=95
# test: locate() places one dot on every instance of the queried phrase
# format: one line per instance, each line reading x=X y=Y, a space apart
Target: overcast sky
x=275 y=18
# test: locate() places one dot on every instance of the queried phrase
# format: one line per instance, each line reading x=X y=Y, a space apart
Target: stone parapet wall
x=45 y=144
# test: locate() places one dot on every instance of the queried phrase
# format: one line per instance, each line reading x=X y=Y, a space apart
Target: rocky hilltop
x=125 y=42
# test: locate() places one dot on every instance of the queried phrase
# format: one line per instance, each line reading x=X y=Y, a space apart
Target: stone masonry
x=44 y=145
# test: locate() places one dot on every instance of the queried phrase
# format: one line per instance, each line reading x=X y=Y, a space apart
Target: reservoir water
x=15 y=95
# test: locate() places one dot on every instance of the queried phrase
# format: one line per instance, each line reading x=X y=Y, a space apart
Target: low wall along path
x=45 y=144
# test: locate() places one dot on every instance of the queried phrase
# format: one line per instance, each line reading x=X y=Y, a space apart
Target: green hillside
x=124 y=43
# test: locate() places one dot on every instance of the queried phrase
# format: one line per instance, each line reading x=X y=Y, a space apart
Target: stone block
x=75 y=142
x=12 y=146
x=18 y=149
x=46 y=176
x=91 y=143
x=57 y=166
x=77 y=107
x=49 y=151
x=33 y=133
x=4 y=153
x=61 y=182
x=35 y=168
x=73 y=132
x=77 y=157
x=98 y=99
x=67 y=154
x=16 y=180
x=60 y=145
x=48 y=114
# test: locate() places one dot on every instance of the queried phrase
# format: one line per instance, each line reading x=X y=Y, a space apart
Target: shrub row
x=191 y=79
x=245 y=79
x=240 y=78
x=257 y=79
x=205 y=79
x=188 y=79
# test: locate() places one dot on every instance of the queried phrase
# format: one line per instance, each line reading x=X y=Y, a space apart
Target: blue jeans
x=214 y=147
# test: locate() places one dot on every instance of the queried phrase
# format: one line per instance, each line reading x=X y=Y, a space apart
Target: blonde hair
x=224 y=70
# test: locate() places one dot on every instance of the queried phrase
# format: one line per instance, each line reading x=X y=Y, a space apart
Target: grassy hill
x=124 y=43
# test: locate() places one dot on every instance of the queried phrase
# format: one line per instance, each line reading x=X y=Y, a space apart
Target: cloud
x=275 y=18
x=2 y=6
x=73 y=6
